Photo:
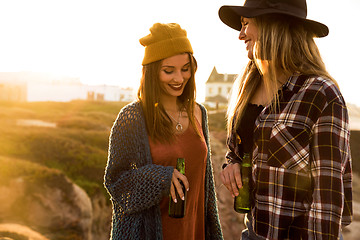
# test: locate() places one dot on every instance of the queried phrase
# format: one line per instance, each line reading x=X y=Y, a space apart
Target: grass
x=78 y=145
x=13 y=168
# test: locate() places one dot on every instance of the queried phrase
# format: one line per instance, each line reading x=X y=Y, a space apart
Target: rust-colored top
x=190 y=146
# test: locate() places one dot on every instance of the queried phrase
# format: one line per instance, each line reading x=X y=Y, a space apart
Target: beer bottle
x=177 y=210
x=242 y=201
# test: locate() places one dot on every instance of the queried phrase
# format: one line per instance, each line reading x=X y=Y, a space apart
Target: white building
x=218 y=88
x=12 y=91
x=68 y=92
x=34 y=87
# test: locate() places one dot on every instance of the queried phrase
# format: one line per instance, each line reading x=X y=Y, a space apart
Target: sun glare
x=98 y=41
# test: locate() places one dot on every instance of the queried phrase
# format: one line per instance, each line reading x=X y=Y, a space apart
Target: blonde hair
x=284 y=43
x=158 y=122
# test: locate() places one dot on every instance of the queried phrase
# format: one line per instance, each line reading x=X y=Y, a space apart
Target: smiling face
x=249 y=34
x=174 y=73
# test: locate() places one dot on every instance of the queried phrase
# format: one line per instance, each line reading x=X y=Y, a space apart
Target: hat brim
x=231 y=16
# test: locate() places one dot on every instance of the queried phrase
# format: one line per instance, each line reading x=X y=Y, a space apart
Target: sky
x=98 y=40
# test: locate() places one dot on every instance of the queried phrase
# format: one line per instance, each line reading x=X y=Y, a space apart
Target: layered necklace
x=179 y=126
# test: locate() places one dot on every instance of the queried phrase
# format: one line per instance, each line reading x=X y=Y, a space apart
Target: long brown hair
x=158 y=123
x=286 y=44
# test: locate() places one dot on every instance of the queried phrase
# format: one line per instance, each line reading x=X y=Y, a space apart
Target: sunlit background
x=53 y=153
x=98 y=41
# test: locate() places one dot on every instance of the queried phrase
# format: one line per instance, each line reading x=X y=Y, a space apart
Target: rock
x=16 y=231
x=45 y=200
x=102 y=216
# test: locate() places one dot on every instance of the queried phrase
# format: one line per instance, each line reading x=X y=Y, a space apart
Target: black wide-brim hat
x=231 y=15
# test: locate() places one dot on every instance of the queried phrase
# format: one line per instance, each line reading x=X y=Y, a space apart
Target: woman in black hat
x=288 y=113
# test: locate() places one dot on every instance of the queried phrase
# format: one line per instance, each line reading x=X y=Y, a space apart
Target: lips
x=247 y=42
x=176 y=87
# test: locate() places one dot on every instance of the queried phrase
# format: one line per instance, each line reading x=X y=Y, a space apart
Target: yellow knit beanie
x=165 y=40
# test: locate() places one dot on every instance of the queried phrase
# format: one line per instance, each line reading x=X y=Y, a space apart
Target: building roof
x=216 y=77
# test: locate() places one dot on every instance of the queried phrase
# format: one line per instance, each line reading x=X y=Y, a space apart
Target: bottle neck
x=180 y=165
x=246 y=161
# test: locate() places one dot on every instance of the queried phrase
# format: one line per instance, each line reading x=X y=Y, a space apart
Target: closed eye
x=186 y=67
x=168 y=72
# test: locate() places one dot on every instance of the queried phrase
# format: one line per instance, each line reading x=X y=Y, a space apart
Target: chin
x=175 y=94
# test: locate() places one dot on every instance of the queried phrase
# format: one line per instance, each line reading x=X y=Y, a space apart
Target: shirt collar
x=294 y=83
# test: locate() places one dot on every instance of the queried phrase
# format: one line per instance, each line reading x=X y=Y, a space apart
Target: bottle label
x=246 y=164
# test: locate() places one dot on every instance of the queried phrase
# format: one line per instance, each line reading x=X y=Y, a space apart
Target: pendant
x=179 y=127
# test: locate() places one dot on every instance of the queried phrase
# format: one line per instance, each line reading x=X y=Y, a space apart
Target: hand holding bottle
x=178 y=188
x=178 y=177
x=242 y=201
x=231 y=178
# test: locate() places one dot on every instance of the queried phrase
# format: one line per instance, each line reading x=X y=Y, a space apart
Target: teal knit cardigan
x=136 y=185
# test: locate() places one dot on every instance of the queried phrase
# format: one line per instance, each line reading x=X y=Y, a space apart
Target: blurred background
x=68 y=67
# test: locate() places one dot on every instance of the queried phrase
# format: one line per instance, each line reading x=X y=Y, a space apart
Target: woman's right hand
x=231 y=178
x=176 y=185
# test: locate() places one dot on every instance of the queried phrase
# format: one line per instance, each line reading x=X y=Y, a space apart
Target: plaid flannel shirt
x=302 y=173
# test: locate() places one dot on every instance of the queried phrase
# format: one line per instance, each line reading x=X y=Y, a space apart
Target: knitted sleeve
x=133 y=182
x=212 y=222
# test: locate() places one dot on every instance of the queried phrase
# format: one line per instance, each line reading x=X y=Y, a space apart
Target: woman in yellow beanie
x=147 y=138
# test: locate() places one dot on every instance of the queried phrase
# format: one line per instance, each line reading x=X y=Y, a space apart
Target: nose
x=178 y=77
x=242 y=33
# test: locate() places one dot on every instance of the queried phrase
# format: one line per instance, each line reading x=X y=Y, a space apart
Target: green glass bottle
x=242 y=201
x=177 y=210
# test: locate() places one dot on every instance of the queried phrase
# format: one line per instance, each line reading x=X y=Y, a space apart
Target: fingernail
x=187 y=189
x=175 y=201
x=183 y=198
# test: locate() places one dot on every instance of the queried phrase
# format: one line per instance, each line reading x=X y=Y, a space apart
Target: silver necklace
x=178 y=126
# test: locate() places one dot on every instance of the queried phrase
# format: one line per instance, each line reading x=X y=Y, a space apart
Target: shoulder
x=200 y=112
x=202 y=117
x=130 y=114
x=131 y=110
x=200 y=108
x=322 y=89
x=322 y=84
x=132 y=107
